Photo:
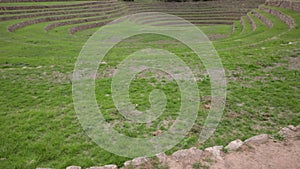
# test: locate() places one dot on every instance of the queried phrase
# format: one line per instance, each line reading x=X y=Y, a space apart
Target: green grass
x=199 y=166
x=39 y=127
x=216 y=30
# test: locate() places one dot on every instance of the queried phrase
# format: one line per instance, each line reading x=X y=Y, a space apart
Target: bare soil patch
x=272 y=154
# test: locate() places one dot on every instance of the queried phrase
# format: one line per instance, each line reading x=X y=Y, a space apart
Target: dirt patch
x=275 y=155
x=217 y=36
x=294 y=63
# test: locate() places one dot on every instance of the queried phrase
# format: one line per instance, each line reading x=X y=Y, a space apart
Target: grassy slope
x=39 y=125
x=261 y=82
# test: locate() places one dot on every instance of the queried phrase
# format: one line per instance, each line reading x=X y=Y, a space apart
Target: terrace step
x=247 y=24
x=253 y=25
x=292 y=5
x=19 y=25
x=52 y=6
x=191 y=19
x=88 y=6
x=64 y=12
x=200 y=4
x=285 y=18
x=87 y=13
x=76 y=29
x=262 y=33
x=263 y=19
x=237 y=28
x=78 y=21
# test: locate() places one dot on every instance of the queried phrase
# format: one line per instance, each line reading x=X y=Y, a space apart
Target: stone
x=259 y=139
x=139 y=161
x=292 y=127
x=207 y=106
x=162 y=157
x=111 y=166
x=215 y=151
x=240 y=104
x=127 y=163
x=193 y=152
x=298 y=128
x=73 y=167
x=234 y=145
x=184 y=158
x=157 y=133
x=136 y=161
x=288 y=131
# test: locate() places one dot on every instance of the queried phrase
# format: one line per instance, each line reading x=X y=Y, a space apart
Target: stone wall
x=188 y=157
x=264 y=20
x=293 y=5
x=285 y=18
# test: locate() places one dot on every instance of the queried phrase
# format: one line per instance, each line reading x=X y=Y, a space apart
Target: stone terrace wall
x=293 y=5
x=285 y=18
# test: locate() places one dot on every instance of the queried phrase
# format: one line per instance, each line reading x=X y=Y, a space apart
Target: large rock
x=292 y=127
x=234 y=145
x=288 y=131
x=193 y=152
x=215 y=151
x=111 y=166
x=184 y=158
x=136 y=161
x=298 y=128
x=162 y=157
x=73 y=167
x=259 y=139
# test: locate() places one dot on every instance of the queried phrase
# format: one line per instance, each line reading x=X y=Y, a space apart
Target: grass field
x=39 y=126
